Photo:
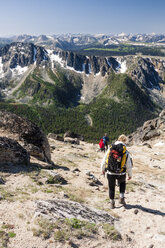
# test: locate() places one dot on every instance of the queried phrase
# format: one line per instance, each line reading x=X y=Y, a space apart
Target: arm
x=129 y=166
x=103 y=163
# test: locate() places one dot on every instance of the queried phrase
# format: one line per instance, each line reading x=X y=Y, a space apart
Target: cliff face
x=88 y=64
x=21 y=54
x=146 y=72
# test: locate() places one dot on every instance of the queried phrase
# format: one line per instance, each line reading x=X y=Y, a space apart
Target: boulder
x=30 y=136
x=55 y=137
x=149 y=130
x=72 y=141
x=11 y=152
x=73 y=135
x=56 y=178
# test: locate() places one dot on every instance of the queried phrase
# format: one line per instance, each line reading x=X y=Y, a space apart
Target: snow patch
x=98 y=74
x=50 y=37
x=108 y=62
x=56 y=58
x=121 y=34
x=122 y=66
x=18 y=70
x=160 y=143
x=89 y=68
x=1 y=68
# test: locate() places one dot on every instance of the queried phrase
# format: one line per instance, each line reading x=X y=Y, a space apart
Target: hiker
x=116 y=163
x=106 y=140
x=102 y=145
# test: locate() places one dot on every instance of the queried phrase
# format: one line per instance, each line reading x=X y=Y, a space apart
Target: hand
x=129 y=178
x=103 y=172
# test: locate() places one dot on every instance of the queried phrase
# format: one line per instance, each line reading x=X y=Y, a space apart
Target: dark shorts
x=120 y=178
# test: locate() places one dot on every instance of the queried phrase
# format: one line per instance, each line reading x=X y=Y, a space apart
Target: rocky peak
x=21 y=54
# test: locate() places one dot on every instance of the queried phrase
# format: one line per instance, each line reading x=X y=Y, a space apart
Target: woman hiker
x=119 y=174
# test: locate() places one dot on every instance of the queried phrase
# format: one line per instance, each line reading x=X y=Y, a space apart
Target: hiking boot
x=122 y=201
x=112 y=204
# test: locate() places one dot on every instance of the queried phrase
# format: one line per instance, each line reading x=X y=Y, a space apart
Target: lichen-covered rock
x=55 y=209
x=31 y=136
x=11 y=152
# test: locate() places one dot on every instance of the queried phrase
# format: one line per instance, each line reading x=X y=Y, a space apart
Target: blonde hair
x=123 y=138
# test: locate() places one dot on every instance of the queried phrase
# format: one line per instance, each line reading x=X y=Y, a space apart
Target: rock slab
x=55 y=209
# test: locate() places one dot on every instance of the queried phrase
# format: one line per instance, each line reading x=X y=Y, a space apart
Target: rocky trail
x=27 y=195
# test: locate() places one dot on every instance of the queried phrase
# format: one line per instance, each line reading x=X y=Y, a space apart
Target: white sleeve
x=103 y=162
x=129 y=165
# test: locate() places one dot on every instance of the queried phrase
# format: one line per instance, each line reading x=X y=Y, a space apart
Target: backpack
x=101 y=144
x=116 y=158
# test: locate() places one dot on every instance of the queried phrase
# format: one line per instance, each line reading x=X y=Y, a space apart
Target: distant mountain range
x=74 y=41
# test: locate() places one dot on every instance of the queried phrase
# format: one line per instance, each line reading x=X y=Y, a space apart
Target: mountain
x=72 y=87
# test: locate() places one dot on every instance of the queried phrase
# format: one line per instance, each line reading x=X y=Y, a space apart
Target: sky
x=36 y=17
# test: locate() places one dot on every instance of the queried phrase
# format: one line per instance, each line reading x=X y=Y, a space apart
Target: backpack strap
x=107 y=158
x=123 y=162
x=124 y=159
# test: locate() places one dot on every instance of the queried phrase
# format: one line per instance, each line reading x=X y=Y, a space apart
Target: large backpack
x=116 y=158
x=101 y=144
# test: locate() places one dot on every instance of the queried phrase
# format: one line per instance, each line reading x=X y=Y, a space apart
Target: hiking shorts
x=112 y=178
